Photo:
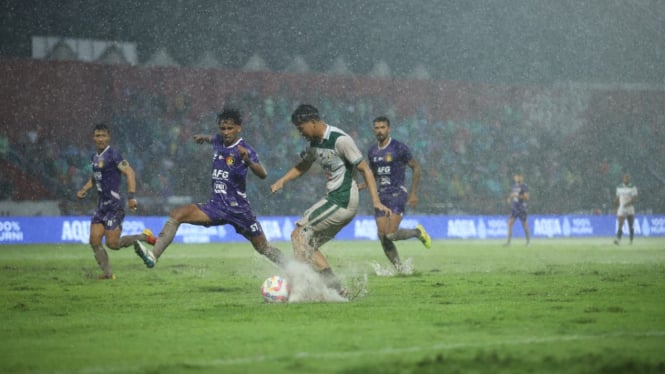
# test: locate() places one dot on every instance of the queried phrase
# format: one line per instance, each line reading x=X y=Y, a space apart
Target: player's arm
x=415 y=182
x=294 y=173
x=364 y=168
x=86 y=187
x=255 y=167
x=127 y=170
x=200 y=138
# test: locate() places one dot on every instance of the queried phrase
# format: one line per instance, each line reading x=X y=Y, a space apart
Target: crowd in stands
x=467 y=164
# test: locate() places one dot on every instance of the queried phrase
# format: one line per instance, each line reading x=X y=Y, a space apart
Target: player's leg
x=417 y=232
x=631 y=228
x=320 y=224
x=261 y=245
x=190 y=213
x=303 y=251
x=96 y=234
x=115 y=241
x=621 y=219
x=127 y=240
x=525 y=226
x=511 y=222
x=386 y=227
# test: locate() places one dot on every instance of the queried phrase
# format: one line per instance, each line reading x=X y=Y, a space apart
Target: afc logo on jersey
x=381 y=170
x=220 y=174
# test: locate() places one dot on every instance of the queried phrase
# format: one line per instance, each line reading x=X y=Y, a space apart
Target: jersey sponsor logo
x=383 y=170
x=220 y=187
x=220 y=174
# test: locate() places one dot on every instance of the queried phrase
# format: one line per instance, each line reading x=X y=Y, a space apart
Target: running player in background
x=626 y=196
x=108 y=166
x=339 y=157
x=388 y=159
x=228 y=204
x=519 y=195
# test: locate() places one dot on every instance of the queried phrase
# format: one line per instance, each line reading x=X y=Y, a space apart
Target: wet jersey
x=229 y=175
x=107 y=177
x=519 y=189
x=626 y=193
x=389 y=166
x=338 y=155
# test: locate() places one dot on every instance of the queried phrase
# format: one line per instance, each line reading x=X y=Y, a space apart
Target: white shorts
x=323 y=220
x=626 y=211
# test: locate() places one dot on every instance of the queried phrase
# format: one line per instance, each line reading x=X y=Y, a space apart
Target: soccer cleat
x=147 y=256
x=107 y=276
x=424 y=237
x=616 y=241
x=149 y=237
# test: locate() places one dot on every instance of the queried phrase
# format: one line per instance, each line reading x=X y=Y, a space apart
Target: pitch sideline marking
x=385 y=352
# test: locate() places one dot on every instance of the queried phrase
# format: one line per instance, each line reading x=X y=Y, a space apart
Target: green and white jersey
x=626 y=193
x=338 y=156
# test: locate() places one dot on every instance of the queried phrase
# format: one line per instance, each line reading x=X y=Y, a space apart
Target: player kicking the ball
x=339 y=157
x=228 y=204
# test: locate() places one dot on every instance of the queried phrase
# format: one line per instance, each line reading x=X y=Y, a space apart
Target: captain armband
x=124 y=164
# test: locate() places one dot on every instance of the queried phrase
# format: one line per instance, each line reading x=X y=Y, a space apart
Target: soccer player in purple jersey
x=519 y=195
x=228 y=204
x=388 y=159
x=108 y=166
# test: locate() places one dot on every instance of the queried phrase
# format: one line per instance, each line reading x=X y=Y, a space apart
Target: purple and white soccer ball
x=275 y=289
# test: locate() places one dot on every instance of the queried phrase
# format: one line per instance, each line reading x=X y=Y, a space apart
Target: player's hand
x=244 y=154
x=413 y=201
x=200 y=139
x=81 y=194
x=276 y=186
x=384 y=209
x=133 y=204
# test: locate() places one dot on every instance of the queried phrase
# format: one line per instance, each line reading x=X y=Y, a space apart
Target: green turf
x=568 y=306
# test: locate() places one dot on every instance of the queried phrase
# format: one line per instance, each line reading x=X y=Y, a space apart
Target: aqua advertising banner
x=68 y=229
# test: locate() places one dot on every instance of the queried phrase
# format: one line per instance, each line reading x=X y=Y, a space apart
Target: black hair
x=304 y=113
x=382 y=119
x=230 y=113
x=102 y=126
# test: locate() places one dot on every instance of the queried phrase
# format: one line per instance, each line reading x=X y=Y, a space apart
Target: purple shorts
x=395 y=201
x=518 y=213
x=110 y=218
x=245 y=223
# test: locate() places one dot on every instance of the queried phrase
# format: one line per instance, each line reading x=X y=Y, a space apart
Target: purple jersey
x=107 y=179
x=389 y=166
x=518 y=204
x=229 y=175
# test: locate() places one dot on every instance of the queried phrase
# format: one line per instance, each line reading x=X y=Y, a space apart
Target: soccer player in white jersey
x=624 y=201
x=339 y=157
